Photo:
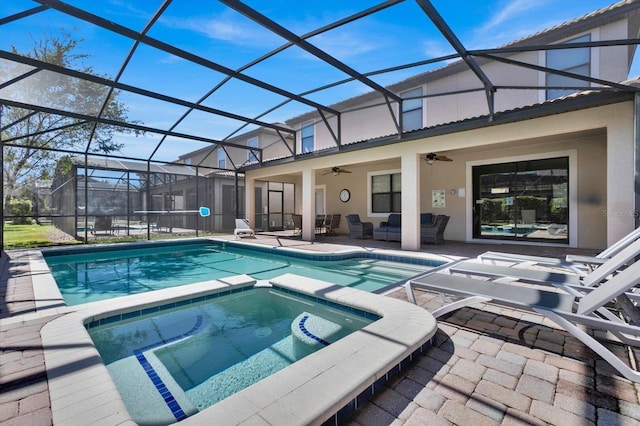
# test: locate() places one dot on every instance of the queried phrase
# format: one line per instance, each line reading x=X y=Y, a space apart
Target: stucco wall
x=374 y=120
x=591 y=196
x=601 y=137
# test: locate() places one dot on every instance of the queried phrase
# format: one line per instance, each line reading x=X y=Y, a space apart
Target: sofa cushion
x=395 y=220
x=394 y=229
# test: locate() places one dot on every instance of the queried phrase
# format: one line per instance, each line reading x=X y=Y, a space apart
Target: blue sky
x=397 y=35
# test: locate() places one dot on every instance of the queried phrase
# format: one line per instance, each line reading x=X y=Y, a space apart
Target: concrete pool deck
x=486 y=367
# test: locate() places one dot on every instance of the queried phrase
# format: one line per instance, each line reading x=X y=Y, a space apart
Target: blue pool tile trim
x=165 y=393
x=330 y=257
x=134 y=314
x=162 y=389
x=307 y=333
x=64 y=251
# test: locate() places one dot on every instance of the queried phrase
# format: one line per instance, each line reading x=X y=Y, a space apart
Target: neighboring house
x=533 y=161
x=225 y=203
x=268 y=144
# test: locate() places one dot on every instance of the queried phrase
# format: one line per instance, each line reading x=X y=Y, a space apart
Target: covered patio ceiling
x=147 y=52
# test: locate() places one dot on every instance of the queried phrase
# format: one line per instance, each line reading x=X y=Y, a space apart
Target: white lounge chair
x=595 y=277
x=571 y=310
x=576 y=263
x=243 y=228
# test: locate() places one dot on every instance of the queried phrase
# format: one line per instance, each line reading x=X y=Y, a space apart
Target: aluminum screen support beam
x=274 y=27
x=285 y=46
x=90 y=118
x=123 y=67
x=612 y=84
x=149 y=41
x=1 y=189
x=132 y=89
x=636 y=158
x=24 y=14
x=448 y=33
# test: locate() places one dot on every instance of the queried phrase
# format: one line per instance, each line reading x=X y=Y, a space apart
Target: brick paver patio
x=498 y=366
x=487 y=367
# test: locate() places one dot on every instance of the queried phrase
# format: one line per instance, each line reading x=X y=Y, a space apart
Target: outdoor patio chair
x=571 y=310
x=334 y=224
x=576 y=263
x=103 y=224
x=297 y=223
x=164 y=222
x=320 y=224
x=528 y=216
x=434 y=233
x=243 y=228
x=358 y=229
x=539 y=276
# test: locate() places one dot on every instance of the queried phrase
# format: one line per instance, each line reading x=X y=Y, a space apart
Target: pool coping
x=317 y=389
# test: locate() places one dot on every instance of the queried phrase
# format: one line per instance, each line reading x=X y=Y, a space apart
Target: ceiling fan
x=336 y=171
x=432 y=157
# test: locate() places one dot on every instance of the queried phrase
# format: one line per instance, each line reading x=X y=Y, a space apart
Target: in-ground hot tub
x=326 y=385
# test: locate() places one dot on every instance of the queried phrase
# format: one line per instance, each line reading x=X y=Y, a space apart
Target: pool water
x=170 y=366
x=105 y=274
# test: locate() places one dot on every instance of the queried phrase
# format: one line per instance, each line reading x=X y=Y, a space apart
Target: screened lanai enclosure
x=100 y=102
x=96 y=197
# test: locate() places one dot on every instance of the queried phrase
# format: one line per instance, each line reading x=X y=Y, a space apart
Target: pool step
x=313 y=330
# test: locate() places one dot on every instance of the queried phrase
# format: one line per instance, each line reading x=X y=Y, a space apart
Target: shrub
x=21 y=209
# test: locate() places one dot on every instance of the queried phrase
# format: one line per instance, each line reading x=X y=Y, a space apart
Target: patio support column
x=250 y=201
x=410 y=165
x=621 y=191
x=308 y=204
x=636 y=159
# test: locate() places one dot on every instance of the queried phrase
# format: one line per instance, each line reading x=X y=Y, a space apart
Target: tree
x=41 y=136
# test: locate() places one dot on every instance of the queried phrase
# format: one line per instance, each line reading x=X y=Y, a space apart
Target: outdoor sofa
x=391 y=229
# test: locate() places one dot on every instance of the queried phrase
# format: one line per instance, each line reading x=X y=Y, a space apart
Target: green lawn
x=26 y=236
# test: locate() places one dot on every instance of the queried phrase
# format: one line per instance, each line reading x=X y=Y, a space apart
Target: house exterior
x=265 y=144
x=539 y=156
x=268 y=143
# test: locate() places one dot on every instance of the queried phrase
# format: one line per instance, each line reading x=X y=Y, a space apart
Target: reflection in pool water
x=88 y=275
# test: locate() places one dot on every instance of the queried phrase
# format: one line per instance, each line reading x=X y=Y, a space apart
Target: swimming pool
x=97 y=273
x=200 y=353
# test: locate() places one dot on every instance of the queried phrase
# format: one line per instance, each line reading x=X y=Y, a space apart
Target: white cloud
x=512 y=10
x=227 y=27
x=344 y=44
x=436 y=49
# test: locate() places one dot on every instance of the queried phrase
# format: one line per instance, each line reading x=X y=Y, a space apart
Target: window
x=222 y=159
x=386 y=195
x=576 y=61
x=251 y=156
x=306 y=134
x=187 y=161
x=412 y=110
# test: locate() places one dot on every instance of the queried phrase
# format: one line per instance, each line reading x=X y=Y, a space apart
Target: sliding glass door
x=523 y=200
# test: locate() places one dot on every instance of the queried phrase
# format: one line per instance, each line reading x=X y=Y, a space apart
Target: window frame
x=304 y=140
x=370 y=197
x=222 y=159
x=412 y=107
x=573 y=67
